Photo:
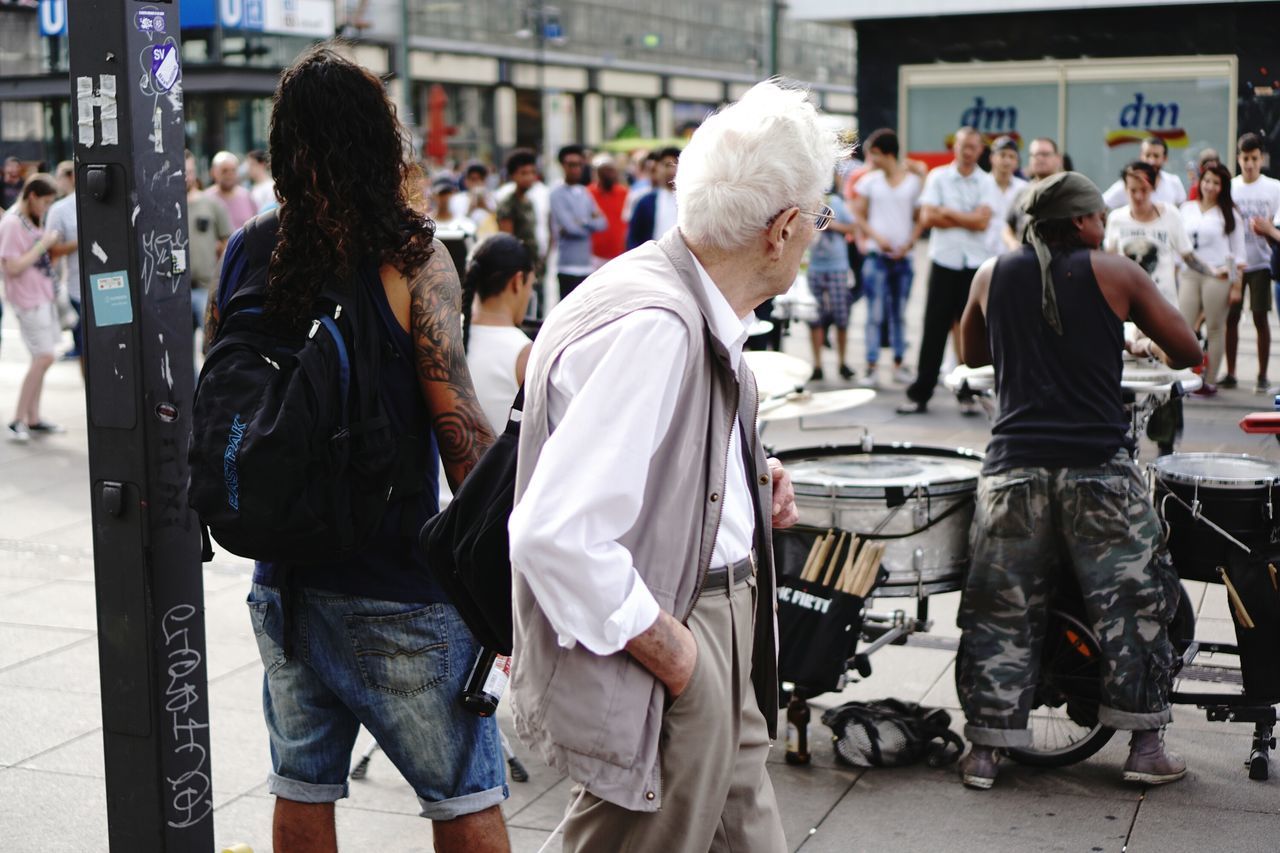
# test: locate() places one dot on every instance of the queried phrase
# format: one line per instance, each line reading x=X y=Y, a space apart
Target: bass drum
x=917 y=501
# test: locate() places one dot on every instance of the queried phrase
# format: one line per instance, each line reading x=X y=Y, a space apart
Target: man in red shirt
x=611 y=198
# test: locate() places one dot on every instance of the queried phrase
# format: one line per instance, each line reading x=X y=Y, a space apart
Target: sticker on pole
x=164 y=65
x=112 y=302
x=149 y=21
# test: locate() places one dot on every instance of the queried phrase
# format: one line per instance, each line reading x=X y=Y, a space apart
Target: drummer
x=1059 y=490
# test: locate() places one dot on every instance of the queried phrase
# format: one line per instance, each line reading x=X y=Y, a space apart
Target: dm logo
x=990 y=121
x=1140 y=119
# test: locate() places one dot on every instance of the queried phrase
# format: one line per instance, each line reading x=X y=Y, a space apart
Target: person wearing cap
x=458 y=233
x=1004 y=165
x=1059 y=491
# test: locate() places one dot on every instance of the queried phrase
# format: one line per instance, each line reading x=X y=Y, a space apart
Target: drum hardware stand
x=1195 y=508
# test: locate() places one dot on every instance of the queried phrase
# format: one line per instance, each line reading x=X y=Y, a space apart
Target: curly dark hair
x=337 y=154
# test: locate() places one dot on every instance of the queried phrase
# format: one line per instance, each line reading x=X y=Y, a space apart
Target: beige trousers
x=716 y=793
x=1196 y=293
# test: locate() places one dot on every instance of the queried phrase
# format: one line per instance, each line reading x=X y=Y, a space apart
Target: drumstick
x=868 y=578
x=1275 y=584
x=835 y=558
x=827 y=541
x=860 y=567
x=847 y=567
x=1236 y=602
x=808 y=561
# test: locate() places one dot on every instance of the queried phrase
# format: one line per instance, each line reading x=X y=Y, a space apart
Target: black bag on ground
x=293 y=457
x=1258 y=642
x=891 y=733
x=467 y=545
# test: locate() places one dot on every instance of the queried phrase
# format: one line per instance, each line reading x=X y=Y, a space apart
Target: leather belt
x=718 y=578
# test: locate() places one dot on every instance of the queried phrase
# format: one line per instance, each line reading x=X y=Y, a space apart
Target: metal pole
x=775 y=19
x=126 y=91
x=407 y=115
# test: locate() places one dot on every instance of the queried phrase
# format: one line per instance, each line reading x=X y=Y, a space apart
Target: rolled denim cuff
x=1134 y=721
x=983 y=736
x=304 y=792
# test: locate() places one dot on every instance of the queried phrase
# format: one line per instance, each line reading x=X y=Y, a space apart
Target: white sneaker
x=902 y=374
x=870 y=379
x=18 y=432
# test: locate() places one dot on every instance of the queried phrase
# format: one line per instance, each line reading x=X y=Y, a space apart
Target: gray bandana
x=1061 y=196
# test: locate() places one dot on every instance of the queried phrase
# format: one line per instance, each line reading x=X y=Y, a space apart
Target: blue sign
x=53 y=17
x=112 y=303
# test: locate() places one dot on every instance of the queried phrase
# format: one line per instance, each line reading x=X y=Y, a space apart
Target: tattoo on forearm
x=461 y=428
x=1194 y=263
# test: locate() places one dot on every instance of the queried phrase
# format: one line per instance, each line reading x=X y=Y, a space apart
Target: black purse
x=467 y=546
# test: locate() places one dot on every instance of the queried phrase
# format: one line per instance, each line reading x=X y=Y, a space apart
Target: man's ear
x=781 y=230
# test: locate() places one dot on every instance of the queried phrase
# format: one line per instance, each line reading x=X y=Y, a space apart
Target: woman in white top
x=495 y=296
x=1151 y=235
x=1217 y=236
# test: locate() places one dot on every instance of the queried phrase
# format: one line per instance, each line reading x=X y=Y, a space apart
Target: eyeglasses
x=821 y=219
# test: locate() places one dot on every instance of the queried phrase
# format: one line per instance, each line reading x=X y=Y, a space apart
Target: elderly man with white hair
x=224 y=170
x=645 y=664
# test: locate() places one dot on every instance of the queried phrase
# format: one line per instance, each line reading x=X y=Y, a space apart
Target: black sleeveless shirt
x=1060 y=401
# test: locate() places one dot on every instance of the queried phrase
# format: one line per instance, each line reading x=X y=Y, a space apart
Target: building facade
x=1096 y=80
x=483 y=76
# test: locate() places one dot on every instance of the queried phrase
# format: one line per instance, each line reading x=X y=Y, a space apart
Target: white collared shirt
x=610 y=402
x=959 y=248
x=664 y=213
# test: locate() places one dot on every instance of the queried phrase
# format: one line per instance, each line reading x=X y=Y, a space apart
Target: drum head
x=1217 y=470
x=857 y=472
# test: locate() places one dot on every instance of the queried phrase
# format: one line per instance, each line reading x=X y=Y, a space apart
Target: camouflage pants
x=1031 y=524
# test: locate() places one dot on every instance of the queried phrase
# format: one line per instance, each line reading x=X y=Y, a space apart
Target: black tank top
x=1059 y=395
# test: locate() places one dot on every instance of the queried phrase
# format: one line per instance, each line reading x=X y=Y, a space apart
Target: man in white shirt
x=1169 y=189
x=957 y=203
x=1258 y=199
x=262 y=187
x=1004 y=163
x=645 y=661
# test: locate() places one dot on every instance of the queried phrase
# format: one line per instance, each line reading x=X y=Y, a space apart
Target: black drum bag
x=1260 y=645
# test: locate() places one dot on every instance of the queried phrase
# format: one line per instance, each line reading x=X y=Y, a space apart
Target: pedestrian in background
x=1217 y=237
x=224 y=171
x=209 y=229
x=655 y=213
x=62 y=220
x=611 y=198
x=1168 y=189
x=1257 y=197
x=28 y=284
x=574 y=219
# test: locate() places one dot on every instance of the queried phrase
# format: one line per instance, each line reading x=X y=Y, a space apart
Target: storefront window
x=934 y=114
x=1106 y=123
x=627 y=118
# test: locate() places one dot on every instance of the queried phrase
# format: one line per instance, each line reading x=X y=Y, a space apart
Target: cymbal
x=777 y=373
x=801 y=404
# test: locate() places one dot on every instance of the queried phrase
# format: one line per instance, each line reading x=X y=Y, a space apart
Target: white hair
x=750 y=161
x=224 y=157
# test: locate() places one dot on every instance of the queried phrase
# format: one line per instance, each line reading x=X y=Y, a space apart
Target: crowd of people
x=644 y=502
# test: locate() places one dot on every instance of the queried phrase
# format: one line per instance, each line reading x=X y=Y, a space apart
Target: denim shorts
x=397 y=669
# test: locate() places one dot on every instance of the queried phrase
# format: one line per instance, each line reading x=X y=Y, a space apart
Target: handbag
x=467 y=546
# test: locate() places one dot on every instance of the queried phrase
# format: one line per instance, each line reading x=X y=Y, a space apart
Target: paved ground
x=52 y=795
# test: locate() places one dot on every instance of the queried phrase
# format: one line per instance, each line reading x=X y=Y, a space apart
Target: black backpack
x=293 y=457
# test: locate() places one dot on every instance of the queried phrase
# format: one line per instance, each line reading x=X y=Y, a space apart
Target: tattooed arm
x=462 y=430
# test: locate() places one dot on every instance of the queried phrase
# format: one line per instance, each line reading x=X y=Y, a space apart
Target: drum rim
x=1160 y=467
x=903 y=448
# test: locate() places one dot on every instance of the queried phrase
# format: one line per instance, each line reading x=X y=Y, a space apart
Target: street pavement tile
x=239 y=690
x=226 y=655
x=52 y=812
x=48 y=562
x=806 y=795
x=12 y=585
x=1162 y=827
x=36 y=516
x=71 y=668
x=909 y=809
x=82 y=756
x=247 y=820
x=22 y=643
x=38 y=720
x=547 y=809
x=943 y=693
x=74 y=534
x=1216 y=775
x=62 y=604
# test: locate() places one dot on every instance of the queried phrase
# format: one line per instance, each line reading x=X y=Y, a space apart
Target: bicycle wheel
x=1064 y=716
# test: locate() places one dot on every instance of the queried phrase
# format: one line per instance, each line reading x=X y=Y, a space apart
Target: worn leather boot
x=978 y=769
x=1148 y=761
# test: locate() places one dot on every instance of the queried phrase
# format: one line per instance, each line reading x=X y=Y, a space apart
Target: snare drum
x=917 y=500
x=1206 y=500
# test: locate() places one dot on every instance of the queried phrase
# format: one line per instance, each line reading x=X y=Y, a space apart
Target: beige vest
x=596 y=718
